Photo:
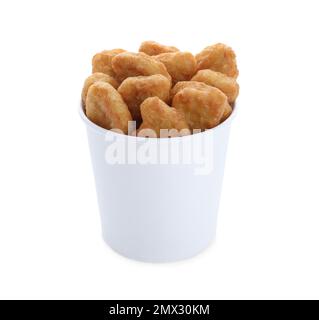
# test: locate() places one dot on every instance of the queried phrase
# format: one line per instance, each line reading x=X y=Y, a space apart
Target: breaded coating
x=153 y=48
x=97 y=76
x=219 y=80
x=227 y=112
x=126 y=85
x=199 y=86
x=218 y=57
x=180 y=65
x=134 y=90
x=203 y=109
x=102 y=61
x=128 y=64
x=158 y=115
x=106 y=108
x=188 y=84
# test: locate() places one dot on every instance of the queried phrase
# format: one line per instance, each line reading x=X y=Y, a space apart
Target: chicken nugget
x=227 y=112
x=97 y=76
x=203 y=109
x=128 y=64
x=158 y=115
x=219 y=80
x=102 y=61
x=134 y=90
x=218 y=57
x=180 y=65
x=153 y=48
x=188 y=84
x=199 y=86
x=106 y=108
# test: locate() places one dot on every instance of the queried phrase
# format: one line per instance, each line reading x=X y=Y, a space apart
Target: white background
x=268 y=232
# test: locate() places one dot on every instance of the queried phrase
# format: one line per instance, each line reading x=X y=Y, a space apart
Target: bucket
x=158 y=198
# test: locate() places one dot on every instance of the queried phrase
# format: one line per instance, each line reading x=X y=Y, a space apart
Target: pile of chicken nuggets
x=166 y=92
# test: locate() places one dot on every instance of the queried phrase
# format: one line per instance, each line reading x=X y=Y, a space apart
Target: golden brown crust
x=128 y=64
x=95 y=77
x=134 y=90
x=188 y=84
x=158 y=115
x=106 y=108
x=203 y=109
x=102 y=61
x=199 y=86
x=227 y=112
x=218 y=57
x=204 y=89
x=219 y=80
x=153 y=48
x=180 y=65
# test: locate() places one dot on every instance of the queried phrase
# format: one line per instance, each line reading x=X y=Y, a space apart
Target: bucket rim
x=94 y=127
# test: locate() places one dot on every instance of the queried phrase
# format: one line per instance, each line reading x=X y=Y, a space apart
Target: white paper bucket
x=164 y=208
